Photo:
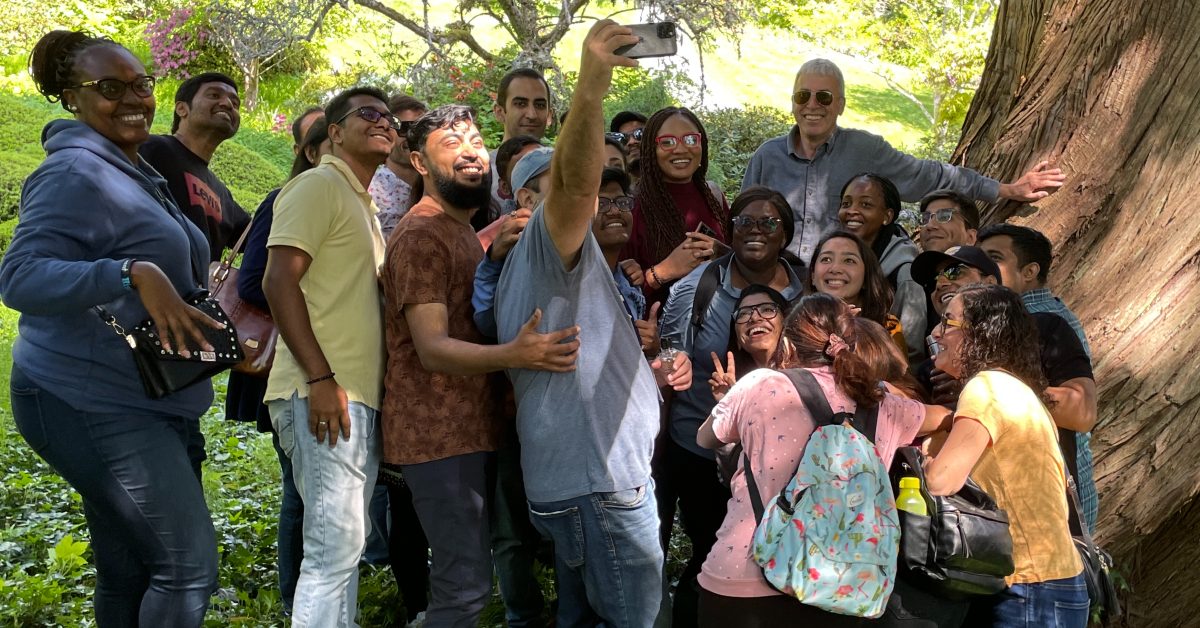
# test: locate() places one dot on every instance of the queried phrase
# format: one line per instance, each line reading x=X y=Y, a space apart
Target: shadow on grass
x=885 y=106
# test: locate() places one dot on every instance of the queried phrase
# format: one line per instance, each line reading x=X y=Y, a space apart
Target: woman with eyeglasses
x=848 y=356
x=869 y=208
x=98 y=228
x=1005 y=439
x=696 y=321
x=844 y=266
x=679 y=219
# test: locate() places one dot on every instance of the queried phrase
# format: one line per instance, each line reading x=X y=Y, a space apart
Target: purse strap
x=221 y=273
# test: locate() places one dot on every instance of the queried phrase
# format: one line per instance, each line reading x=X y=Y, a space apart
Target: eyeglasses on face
x=114 y=89
x=621 y=203
x=402 y=126
x=372 y=115
x=824 y=97
x=634 y=136
x=767 y=224
x=667 y=142
x=942 y=216
x=765 y=311
x=948 y=323
x=952 y=272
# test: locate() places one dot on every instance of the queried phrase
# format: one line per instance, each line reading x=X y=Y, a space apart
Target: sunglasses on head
x=114 y=89
x=622 y=203
x=765 y=311
x=625 y=138
x=942 y=216
x=668 y=142
x=372 y=115
x=767 y=224
x=824 y=97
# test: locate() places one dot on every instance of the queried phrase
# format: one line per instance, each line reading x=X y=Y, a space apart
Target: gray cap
x=530 y=166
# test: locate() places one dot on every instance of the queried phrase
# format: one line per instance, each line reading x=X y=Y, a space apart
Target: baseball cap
x=530 y=166
x=924 y=267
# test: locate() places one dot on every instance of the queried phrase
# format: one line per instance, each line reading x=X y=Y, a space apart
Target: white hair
x=823 y=67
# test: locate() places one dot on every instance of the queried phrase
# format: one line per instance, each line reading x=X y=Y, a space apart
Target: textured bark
x=1108 y=90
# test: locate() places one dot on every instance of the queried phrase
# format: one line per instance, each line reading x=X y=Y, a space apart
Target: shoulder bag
x=255 y=327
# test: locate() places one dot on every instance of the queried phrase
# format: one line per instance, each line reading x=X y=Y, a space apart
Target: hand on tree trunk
x=1038 y=183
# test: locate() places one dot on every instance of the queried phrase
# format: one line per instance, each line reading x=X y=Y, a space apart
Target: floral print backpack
x=832 y=536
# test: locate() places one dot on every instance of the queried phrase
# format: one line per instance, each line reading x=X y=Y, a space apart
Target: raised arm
x=579 y=153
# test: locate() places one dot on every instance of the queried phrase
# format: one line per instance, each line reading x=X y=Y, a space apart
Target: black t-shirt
x=197 y=191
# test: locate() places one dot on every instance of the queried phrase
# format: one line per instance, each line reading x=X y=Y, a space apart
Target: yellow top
x=1022 y=470
x=328 y=214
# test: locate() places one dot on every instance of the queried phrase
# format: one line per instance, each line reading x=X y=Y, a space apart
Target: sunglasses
x=625 y=138
x=622 y=203
x=668 y=142
x=824 y=97
x=766 y=224
x=371 y=115
x=403 y=126
x=114 y=89
x=942 y=215
x=765 y=311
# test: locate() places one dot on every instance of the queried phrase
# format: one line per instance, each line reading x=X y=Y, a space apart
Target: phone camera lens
x=666 y=30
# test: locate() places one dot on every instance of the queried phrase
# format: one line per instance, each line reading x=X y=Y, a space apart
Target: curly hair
x=663 y=220
x=856 y=371
x=875 y=296
x=999 y=334
x=52 y=61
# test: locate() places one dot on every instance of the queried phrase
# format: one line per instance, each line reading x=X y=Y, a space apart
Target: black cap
x=924 y=268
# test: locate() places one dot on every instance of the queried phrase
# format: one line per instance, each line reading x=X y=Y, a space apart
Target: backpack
x=832 y=536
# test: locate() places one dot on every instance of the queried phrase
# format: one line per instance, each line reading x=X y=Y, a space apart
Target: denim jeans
x=515 y=543
x=291 y=529
x=608 y=558
x=1051 y=604
x=335 y=484
x=152 y=535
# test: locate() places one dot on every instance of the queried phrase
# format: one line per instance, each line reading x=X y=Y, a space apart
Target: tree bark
x=1108 y=91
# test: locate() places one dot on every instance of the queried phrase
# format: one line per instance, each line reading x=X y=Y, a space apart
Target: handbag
x=1096 y=563
x=963 y=548
x=255 y=327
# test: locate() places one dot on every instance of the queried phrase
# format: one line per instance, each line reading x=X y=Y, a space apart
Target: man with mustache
x=441 y=421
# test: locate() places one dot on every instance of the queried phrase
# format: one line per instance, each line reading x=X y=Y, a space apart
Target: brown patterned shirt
x=431 y=258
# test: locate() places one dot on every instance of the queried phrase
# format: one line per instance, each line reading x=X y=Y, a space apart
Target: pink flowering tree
x=175 y=41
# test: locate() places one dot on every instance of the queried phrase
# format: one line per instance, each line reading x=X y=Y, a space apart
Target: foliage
x=733 y=136
x=175 y=42
x=6 y=232
x=247 y=174
x=27 y=20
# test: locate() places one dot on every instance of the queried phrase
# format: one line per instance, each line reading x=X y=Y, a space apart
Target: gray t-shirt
x=591 y=430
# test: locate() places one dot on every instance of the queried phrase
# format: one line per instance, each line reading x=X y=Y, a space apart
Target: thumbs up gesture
x=647 y=331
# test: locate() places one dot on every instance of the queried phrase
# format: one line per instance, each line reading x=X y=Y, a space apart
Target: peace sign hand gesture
x=722 y=378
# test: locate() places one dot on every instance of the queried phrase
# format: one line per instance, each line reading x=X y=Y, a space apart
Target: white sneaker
x=417 y=622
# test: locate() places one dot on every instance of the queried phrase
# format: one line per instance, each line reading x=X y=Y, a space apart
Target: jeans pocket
x=283 y=419
x=565 y=529
x=27 y=414
x=1071 y=614
x=628 y=499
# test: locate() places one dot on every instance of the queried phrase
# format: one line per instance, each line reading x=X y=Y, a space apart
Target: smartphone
x=707 y=230
x=657 y=40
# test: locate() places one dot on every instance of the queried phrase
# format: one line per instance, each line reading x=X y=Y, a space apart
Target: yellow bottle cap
x=910 y=483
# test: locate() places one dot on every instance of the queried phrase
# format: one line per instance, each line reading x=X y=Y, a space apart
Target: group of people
x=539 y=354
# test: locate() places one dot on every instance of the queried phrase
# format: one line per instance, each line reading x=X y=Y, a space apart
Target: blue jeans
x=291 y=529
x=608 y=558
x=335 y=484
x=515 y=543
x=1051 y=604
x=152 y=535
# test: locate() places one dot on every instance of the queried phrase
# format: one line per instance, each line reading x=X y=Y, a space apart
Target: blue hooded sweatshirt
x=84 y=211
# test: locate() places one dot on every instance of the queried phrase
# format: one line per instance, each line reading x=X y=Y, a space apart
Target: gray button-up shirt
x=812 y=186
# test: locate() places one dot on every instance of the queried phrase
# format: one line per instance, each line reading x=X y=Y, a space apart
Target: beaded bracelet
x=321 y=378
x=653 y=275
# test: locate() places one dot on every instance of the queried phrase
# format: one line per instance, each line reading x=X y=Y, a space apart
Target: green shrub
x=14 y=169
x=733 y=136
x=248 y=175
x=275 y=147
x=6 y=233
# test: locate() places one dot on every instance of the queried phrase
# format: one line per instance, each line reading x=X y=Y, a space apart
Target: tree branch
x=447 y=36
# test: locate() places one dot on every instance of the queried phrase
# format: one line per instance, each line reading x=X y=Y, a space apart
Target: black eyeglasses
x=403 y=126
x=622 y=203
x=824 y=97
x=114 y=89
x=765 y=311
x=624 y=138
x=767 y=224
x=372 y=115
x=942 y=215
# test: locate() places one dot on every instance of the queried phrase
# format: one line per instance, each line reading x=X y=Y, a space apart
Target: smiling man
x=206 y=114
x=947 y=219
x=523 y=107
x=810 y=164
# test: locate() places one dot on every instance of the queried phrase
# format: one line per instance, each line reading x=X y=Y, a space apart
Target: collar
x=1037 y=296
x=344 y=168
x=794 y=135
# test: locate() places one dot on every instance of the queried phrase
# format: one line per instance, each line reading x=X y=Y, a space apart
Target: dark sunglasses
x=942 y=215
x=371 y=115
x=624 y=138
x=114 y=89
x=765 y=311
x=767 y=224
x=622 y=203
x=403 y=126
x=952 y=272
x=824 y=97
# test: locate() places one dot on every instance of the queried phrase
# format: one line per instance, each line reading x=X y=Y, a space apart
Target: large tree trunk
x=1109 y=91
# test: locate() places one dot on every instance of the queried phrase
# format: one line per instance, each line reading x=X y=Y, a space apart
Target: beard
x=462 y=195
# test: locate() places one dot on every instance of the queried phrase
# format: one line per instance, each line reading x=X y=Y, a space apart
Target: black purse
x=1096 y=563
x=963 y=548
x=163 y=372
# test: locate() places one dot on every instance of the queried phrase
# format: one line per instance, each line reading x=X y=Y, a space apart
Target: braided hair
x=663 y=220
x=52 y=62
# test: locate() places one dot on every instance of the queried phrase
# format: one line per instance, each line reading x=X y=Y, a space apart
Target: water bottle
x=909 y=499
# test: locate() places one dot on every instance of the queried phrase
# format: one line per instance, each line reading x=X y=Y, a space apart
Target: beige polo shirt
x=328 y=214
